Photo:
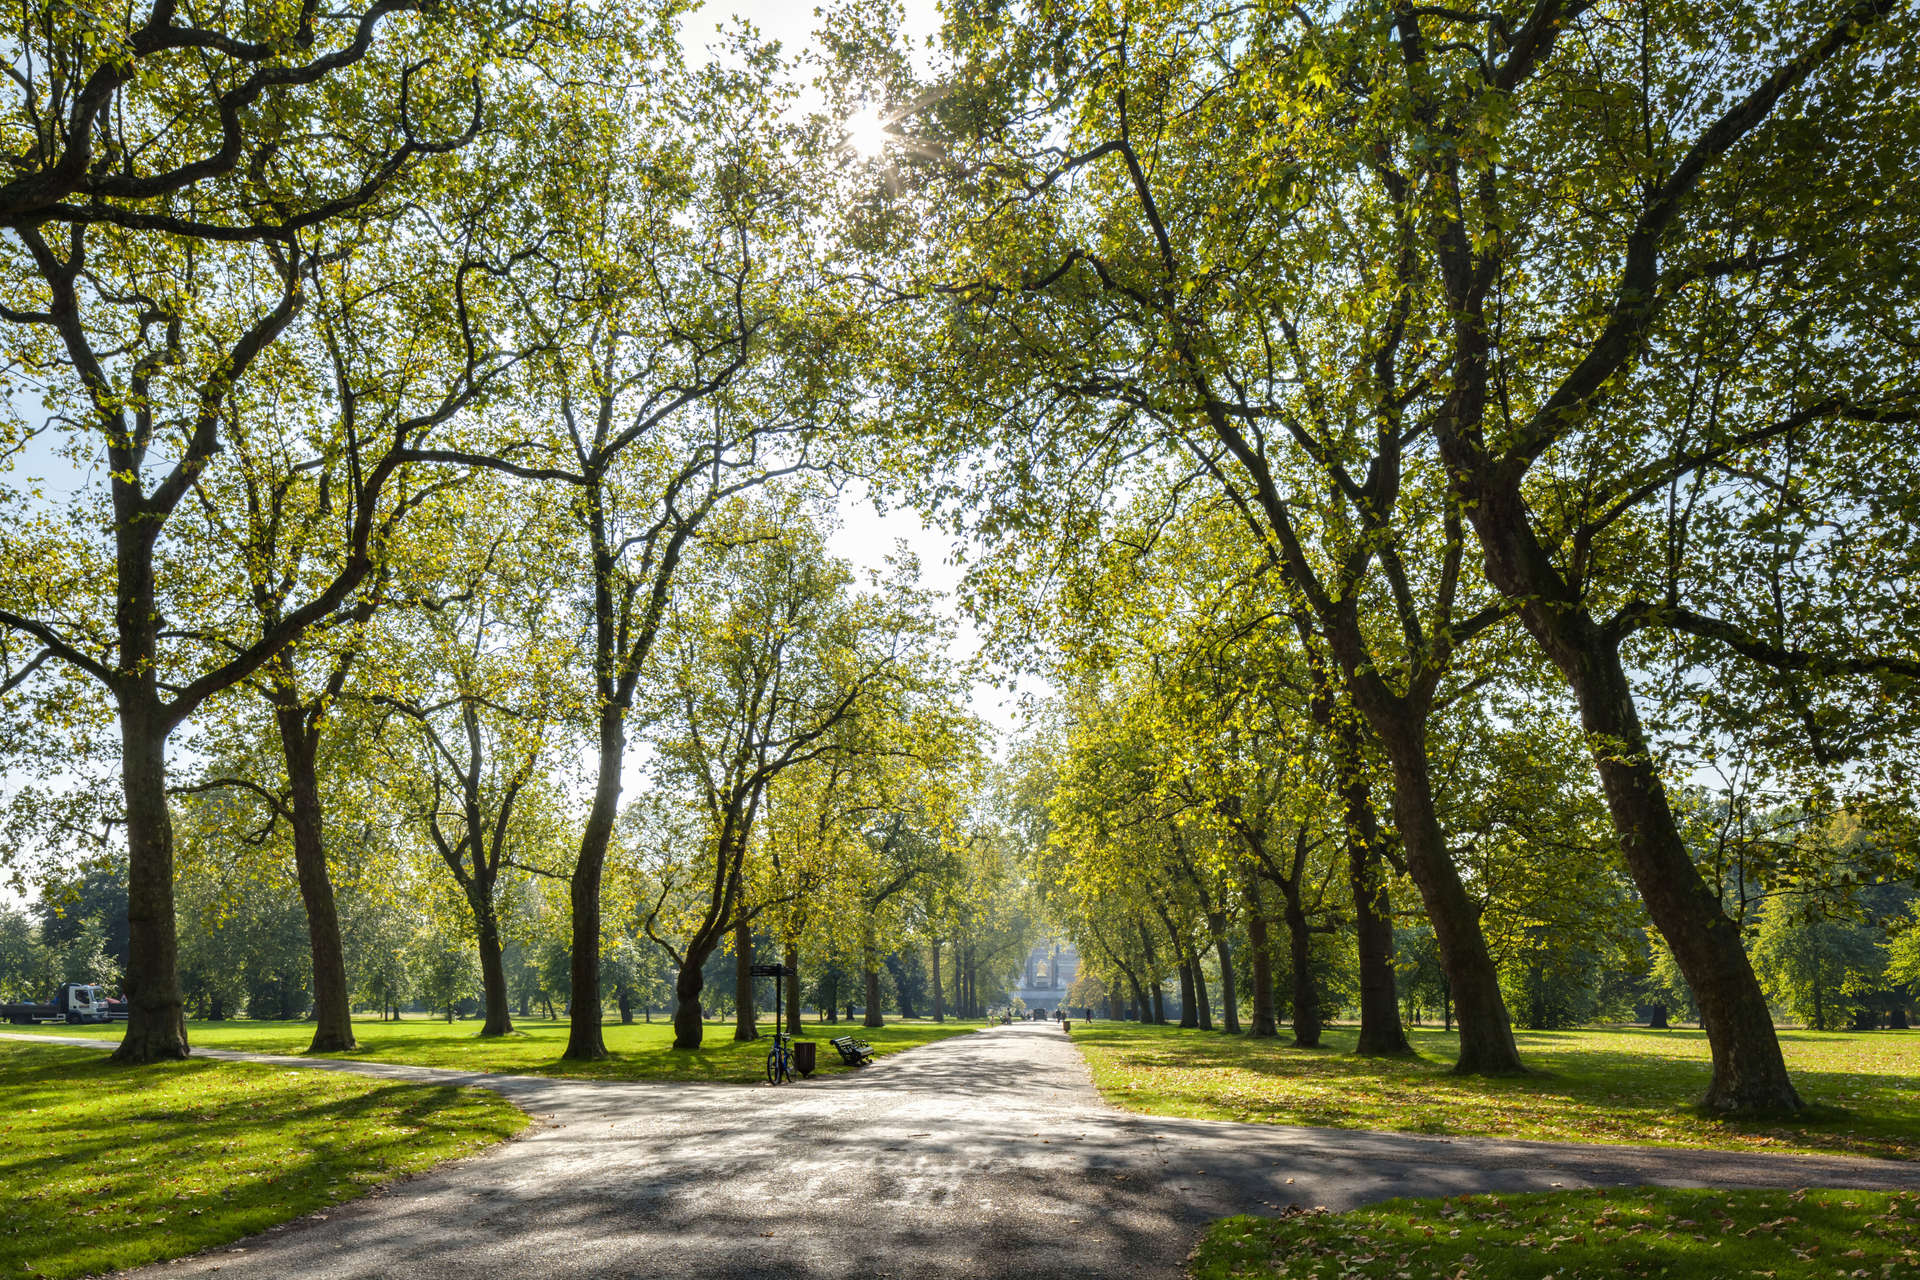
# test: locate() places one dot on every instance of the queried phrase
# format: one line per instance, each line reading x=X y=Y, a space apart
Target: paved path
x=986 y=1155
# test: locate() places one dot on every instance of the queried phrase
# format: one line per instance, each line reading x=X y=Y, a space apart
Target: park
x=977 y=638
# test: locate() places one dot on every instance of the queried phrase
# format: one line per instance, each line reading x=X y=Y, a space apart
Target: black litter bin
x=803 y=1056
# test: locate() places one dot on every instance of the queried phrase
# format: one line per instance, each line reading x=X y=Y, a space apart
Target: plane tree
x=773 y=659
x=164 y=301
x=473 y=712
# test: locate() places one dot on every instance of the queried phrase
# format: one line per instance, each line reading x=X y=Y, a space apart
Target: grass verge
x=1622 y=1085
x=103 y=1166
x=642 y=1051
x=1640 y=1232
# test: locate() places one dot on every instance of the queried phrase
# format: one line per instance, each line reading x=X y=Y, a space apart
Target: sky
x=866 y=535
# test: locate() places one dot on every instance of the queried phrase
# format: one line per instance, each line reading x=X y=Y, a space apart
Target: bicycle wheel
x=774 y=1065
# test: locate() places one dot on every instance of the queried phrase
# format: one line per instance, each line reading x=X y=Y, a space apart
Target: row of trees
x=1390 y=403
x=1411 y=441
x=422 y=420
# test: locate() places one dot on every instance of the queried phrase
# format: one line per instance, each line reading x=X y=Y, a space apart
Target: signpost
x=779 y=973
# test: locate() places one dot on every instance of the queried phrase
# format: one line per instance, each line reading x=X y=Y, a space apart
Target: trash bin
x=803 y=1056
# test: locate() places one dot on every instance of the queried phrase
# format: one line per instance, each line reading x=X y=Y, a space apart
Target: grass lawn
x=1625 y=1085
x=1645 y=1231
x=104 y=1166
x=643 y=1051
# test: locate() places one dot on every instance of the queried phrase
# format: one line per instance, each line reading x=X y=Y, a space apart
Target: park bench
x=855 y=1053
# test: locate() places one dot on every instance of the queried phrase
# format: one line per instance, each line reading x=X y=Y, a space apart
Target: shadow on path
x=986 y=1155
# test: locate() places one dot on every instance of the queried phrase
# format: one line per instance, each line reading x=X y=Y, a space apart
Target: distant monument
x=1050 y=970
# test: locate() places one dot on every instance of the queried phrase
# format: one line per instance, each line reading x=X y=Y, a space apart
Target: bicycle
x=780 y=1059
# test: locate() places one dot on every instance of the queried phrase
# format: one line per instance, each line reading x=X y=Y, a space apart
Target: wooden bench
x=855 y=1053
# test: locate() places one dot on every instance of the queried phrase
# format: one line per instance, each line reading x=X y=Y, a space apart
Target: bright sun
x=867 y=134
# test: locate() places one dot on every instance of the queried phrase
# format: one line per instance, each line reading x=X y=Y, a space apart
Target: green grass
x=643 y=1051
x=1626 y=1085
x=1633 y=1232
x=103 y=1166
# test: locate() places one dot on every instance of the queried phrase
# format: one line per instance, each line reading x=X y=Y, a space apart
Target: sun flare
x=867 y=134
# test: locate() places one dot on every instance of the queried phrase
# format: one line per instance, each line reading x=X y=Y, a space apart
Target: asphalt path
x=984 y=1155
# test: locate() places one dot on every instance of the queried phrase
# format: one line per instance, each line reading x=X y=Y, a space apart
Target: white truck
x=72 y=1002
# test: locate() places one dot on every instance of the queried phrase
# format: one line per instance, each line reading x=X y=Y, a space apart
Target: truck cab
x=81 y=1002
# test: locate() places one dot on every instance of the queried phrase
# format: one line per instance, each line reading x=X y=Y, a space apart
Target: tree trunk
x=1486 y=1035
x=585 y=1041
x=1306 y=994
x=688 y=1029
x=493 y=972
x=1157 y=986
x=1229 y=991
x=156 y=1017
x=793 y=988
x=1189 y=1017
x=624 y=998
x=746 y=1017
x=870 y=962
x=1262 y=976
x=332 y=1015
x=1381 y=1034
x=939 y=1005
x=901 y=995
x=1200 y=991
x=1749 y=1072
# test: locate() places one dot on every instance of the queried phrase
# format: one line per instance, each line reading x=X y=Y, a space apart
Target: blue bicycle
x=780 y=1059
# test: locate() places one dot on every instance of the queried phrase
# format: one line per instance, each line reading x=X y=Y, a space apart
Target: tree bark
x=1262 y=962
x=901 y=995
x=332 y=1014
x=1381 y=1033
x=1183 y=958
x=688 y=1029
x=493 y=971
x=1749 y=1072
x=1200 y=991
x=1229 y=990
x=939 y=1003
x=746 y=1017
x=585 y=1041
x=870 y=963
x=1306 y=993
x=156 y=1015
x=1189 y=1017
x=793 y=988
x=624 y=999
x=1155 y=976
x=1486 y=1035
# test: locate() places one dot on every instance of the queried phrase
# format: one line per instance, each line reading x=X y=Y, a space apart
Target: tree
x=1701 y=314
x=474 y=712
x=686 y=367
x=26 y=963
x=1163 y=325
x=165 y=334
x=110 y=126
x=1818 y=967
x=444 y=968
x=774 y=661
